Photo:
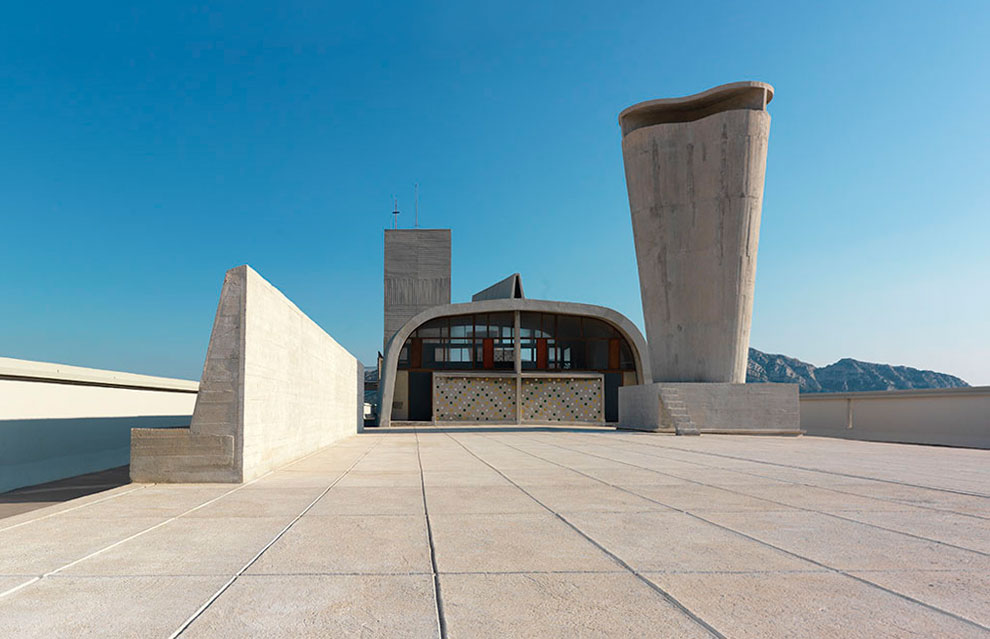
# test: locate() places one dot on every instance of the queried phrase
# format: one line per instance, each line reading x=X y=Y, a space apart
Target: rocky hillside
x=843 y=376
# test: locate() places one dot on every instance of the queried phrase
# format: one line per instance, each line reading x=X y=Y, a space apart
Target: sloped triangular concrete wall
x=275 y=387
x=509 y=288
x=300 y=387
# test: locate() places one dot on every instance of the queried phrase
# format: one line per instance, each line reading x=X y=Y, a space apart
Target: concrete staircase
x=674 y=414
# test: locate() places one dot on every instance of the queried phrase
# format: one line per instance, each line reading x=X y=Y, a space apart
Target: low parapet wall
x=275 y=387
x=742 y=409
x=946 y=417
x=58 y=421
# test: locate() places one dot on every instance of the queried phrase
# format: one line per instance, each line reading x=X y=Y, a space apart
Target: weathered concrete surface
x=942 y=416
x=714 y=408
x=695 y=172
x=417 y=274
x=541 y=532
x=275 y=387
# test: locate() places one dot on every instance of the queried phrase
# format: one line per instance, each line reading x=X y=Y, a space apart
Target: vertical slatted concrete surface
x=524 y=532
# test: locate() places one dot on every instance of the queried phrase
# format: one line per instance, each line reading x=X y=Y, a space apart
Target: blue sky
x=146 y=148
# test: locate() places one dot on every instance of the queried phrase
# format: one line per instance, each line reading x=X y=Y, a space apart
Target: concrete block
x=179 y=455
x=770 y=409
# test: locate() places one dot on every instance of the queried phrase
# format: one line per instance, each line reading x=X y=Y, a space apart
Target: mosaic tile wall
x=557 y=399
x=474 y=399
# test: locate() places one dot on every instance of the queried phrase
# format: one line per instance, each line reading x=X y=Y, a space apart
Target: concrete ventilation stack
x=695 y=172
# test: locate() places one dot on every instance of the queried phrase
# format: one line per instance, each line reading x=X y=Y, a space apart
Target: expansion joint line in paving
x=818 y=470
x=68 y=510
x=773 y=501
x=649 y=583
x=736 y=532
x=230 y=582
x=437 y=596
x=742 y=534
x=798 y=483
x=119 y=542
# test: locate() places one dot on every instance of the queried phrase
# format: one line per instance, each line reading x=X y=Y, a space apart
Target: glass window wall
x=548 y=342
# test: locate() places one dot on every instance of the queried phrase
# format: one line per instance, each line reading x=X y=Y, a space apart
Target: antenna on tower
x=416 y=188
x=395 y=212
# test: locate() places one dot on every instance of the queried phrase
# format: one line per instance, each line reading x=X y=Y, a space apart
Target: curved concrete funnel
x=694 y=170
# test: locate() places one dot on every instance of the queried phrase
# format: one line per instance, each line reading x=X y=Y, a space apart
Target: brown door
x=416 y=353
x=541 y=353
x=613 y=354
x=488 y=353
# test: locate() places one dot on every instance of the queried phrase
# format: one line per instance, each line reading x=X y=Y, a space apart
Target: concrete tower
x=417 y=274
x=695 y=170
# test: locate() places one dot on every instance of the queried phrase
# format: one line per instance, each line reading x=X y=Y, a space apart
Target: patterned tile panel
x=562 y=399
x=474 y=399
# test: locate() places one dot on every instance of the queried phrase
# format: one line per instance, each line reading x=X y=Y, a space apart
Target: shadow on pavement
x=30 y=498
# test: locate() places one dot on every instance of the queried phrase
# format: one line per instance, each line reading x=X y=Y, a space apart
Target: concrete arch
x=619 y=321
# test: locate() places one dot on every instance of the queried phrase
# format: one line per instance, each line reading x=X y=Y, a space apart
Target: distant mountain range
x=846 y=375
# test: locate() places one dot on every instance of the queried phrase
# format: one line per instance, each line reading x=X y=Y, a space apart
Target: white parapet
x=275 y=388
x=57 y=421
x=939 y=416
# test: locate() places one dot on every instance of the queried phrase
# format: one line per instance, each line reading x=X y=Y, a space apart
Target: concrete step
x=675 y=412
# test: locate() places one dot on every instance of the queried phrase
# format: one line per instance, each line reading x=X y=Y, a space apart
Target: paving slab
x=299 y=479
x=672 y=541
x=370 y=500
x=623 y=475
x=848 y=545
x=560 y=605
x=49 y=544
x=129 y=607
x=8 y=582
x=759 y=605
x=482 y=476
x=358 y=562
x=959 y=530
x=322 y=606
x=822 y=499
x=549 y=476
x=152 y=501
x=349 y=544
x=535 y=542
x=30 y=498
x=698 y=498
x=502 y=499
x=975 y=505
x=186 y=546
x=593 y=497
x=17 y=516
x=966 y=594
x=404 y=479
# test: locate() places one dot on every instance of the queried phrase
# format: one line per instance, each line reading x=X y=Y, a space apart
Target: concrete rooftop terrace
x=524 y=532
